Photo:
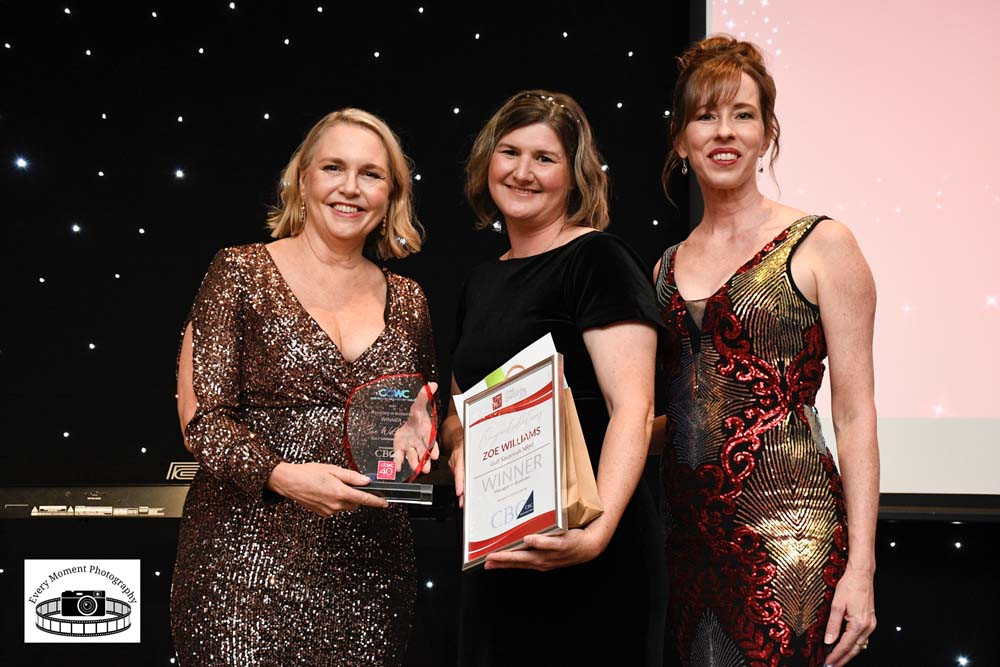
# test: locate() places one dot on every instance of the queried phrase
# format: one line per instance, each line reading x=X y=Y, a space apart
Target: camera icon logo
x=83 y=603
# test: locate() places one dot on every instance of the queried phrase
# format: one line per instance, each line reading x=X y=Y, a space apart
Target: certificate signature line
x=507 y=463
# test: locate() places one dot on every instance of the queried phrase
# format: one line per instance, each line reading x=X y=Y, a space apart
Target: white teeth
x=344 y=208
x=724 y=156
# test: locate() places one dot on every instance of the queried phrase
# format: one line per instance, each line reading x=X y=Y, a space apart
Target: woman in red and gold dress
x=771 y=550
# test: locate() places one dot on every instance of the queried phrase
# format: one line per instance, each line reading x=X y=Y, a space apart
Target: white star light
x=287 y=41
x=477 y=35
x=179 y=173
x=656 y=222
x=430 y=584
x=180 y=119
x=267 y=116
x=319 y=9
x=565 y=34
x=958 y=545
x=938 y=410
x=21 y=163
x=142 y=449
x=631 y=53
x=117 y=276
x=201 y=50
x=91 y=346
x=87 y=52
x=104 y=116
x=455 y=110
x=6 y=45
x=899 y=628
x=66 y=11
x=892 y=544
x=65 y=434
x=377 y=54
x=619 y=105
x=76 y=228
x=731 y=24
x=416 y=177
x=154 y=15
x=963 y=661
x=232 y=5
x=142 y=230
x=41 y=280
x=991 y=301
x=420 y=10
x=604 y=167
x=100 y=173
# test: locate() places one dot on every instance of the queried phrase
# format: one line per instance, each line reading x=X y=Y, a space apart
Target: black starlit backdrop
x=138 y=138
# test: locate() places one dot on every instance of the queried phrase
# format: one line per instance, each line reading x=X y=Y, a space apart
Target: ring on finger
x=863 y=644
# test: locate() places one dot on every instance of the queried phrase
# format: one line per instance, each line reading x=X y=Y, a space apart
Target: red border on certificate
x=540 y=522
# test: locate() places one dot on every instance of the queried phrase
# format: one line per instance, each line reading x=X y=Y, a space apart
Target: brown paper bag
x=582 y=502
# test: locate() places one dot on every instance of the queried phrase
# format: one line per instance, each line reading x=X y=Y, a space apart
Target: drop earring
x=302 y=211
x=760 y=165
x=684 y=166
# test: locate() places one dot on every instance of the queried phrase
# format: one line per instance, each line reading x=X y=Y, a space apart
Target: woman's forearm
x=857 y=451
x=623 y=458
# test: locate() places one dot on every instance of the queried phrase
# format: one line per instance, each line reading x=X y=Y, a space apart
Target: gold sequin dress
x=756 y=523
x=259 y=580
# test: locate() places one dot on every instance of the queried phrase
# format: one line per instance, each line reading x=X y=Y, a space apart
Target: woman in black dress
x=590 y=595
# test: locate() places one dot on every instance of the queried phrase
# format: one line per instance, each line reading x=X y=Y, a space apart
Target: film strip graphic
x=116 y=618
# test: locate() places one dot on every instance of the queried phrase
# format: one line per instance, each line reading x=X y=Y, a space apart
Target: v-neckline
x=743 y=268
x=314 y=323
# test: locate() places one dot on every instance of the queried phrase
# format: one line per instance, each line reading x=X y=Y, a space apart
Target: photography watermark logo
x=81 y=601
x=182 y=470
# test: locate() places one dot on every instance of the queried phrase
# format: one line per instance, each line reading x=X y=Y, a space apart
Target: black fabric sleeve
x=606 y=283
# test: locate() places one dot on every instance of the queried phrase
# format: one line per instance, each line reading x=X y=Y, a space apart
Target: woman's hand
x=548 y=552
x=456 y=461
x=322 y=488
x=409 y=442
x=453 y=436
x=853 y=604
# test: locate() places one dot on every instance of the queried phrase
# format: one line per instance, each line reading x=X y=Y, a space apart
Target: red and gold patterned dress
x=756 y=524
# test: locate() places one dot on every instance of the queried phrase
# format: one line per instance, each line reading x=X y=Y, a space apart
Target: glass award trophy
x=390 y=425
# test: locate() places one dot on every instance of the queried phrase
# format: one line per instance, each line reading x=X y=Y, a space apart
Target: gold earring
x=383 y=230
x=302 y=211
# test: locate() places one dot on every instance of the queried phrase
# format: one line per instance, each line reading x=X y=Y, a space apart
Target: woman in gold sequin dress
x=770 y=549
x=280 y=562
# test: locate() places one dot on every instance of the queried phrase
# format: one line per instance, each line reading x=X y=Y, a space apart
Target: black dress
x=612 y=609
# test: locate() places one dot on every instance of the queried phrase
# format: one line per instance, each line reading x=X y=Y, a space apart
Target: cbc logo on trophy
x=390 y=427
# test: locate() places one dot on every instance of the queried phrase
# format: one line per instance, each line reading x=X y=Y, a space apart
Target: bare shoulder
x=832 y=239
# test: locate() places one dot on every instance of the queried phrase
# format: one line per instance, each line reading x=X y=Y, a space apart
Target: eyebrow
x=368 y=166
x=504 y=144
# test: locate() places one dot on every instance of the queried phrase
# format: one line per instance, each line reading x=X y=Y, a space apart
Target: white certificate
x=513 y=461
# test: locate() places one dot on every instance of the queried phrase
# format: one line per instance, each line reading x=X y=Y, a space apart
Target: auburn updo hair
x=710 y=73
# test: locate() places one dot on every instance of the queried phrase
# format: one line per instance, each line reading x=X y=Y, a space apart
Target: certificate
x=514 y=458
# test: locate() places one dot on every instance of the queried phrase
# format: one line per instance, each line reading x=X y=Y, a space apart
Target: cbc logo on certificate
x=81 y=601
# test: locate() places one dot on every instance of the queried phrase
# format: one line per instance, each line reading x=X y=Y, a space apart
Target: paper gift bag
x=582 y=502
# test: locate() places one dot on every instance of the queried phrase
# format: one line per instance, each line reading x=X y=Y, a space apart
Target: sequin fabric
x=756 y=529
x=259 y=580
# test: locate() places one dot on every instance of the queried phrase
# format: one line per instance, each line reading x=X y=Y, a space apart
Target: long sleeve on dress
x=217 y=437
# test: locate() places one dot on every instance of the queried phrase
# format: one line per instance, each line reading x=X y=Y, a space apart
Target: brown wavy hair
x=710 y=73
x=587 y=204
x=401 y=235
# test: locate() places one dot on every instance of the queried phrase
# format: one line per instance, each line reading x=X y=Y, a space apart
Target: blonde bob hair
x=587 y=204
x=400 y=235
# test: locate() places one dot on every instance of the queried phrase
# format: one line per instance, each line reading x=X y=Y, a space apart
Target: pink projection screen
x=890 y=118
